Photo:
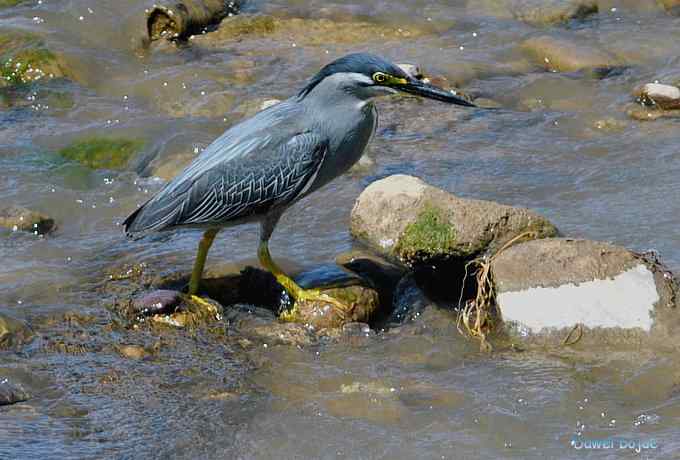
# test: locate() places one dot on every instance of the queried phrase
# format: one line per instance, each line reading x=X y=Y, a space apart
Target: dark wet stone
x=160 y=301
x=13 y=332
x=18 y=218
x=11 y=393
x=409 y=301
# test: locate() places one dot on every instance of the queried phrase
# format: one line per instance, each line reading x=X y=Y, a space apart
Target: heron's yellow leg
x=296 y=292
x=199 y=264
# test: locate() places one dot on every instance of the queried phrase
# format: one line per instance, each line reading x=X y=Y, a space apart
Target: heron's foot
x=205 y=306
x=309 y=296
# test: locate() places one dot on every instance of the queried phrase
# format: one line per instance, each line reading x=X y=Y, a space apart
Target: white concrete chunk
x=624 y=301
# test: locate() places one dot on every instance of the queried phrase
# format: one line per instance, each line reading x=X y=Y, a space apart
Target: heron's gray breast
x=349 y=133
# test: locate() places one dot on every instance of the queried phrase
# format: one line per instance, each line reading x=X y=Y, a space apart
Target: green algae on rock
x=102 y=153
x=430 y=234
x=25 y=59
x=408 y=220
x=9 y=3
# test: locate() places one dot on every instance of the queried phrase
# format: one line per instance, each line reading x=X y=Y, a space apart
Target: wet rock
x=17 y=218
x=24 y=58
x=13 y=332
x=103 y=153
x=672 y=6
x=664 y=97
x=379 y=273
x=409 y=301
x=646 y=113
x=160 y=301
x=262 y=326
x=11 y=393
x=172 y=20
x=9 y=3
x=561 y=54
x=250 y=107
x=192 y=312
x=303 y=32
x=372 y=401
x=539 y=12
x=408 y=220
x=132 y=351
x=361 y=304
x=559 y=291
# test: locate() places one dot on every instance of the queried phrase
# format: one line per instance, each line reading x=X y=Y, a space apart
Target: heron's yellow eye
x=380 y=77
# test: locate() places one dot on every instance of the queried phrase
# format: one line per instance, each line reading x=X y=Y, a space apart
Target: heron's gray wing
x=271 y=173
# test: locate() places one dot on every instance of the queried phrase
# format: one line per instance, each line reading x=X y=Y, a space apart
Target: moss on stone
x=24 y=58
x=8 y=3
x=430 y=234
x=101 y=153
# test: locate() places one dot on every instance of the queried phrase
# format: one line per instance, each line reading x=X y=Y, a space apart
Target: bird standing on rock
x=261 y=166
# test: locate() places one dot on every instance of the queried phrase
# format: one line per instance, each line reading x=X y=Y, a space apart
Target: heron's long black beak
x=420 y=88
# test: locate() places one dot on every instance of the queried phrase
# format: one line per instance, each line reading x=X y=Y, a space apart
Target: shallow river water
x=562 y=145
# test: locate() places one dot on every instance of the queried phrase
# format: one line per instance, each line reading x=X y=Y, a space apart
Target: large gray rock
x=408 y=220
x=567 y=54
x=546 y=288
x=539 y=12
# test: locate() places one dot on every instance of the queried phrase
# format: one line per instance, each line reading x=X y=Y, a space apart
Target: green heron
x=258 y=168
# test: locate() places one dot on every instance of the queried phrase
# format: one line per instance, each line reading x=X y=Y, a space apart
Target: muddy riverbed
x=562 y=143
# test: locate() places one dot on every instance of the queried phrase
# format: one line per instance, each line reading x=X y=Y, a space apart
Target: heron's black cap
x=363 y=63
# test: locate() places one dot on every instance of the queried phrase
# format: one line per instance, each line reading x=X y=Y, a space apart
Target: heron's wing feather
x=272 y=172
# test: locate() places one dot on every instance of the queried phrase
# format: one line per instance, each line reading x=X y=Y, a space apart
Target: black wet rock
x=409 y=301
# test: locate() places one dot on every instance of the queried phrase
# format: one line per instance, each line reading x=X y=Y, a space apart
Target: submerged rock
x=558 y=291
x=664 y=97
x=17 y=218
x=539 y=12
x=561 y=54
x=13 y=332
x=408 y=220
x=672 y=6
x=303 y=32
x=11 y=393
x=103 y=153
x=24 y=58
x=172 y=20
